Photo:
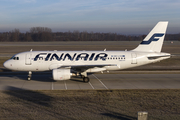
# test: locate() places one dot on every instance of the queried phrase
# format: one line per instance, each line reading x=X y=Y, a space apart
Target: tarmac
x=135 y=79
x=44 y=81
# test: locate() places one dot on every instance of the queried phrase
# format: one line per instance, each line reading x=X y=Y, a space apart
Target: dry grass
x=89 y=104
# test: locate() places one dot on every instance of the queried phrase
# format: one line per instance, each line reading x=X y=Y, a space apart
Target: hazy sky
x=120 y=16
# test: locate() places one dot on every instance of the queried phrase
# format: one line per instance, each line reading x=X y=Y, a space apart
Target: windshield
x=15 y=58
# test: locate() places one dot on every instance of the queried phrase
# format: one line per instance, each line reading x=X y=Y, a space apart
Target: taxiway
x=44 y=81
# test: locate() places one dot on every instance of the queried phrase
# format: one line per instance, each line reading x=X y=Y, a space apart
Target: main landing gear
x=29 y=76
x=84 y=76
x=86 y=79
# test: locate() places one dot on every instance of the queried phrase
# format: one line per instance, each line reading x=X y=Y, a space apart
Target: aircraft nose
x=6 y=64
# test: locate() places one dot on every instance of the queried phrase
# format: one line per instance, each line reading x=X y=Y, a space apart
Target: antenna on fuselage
x=105 y=49
x=31 y=50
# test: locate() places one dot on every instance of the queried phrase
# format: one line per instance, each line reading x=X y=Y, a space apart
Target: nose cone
x=6 y=64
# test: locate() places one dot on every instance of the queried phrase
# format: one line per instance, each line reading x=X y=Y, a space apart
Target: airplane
x=65 y=64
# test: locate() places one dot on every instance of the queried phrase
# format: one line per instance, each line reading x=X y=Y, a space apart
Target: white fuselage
x=49 y=60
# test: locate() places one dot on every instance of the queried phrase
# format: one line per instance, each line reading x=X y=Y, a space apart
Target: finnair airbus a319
x=65 y=64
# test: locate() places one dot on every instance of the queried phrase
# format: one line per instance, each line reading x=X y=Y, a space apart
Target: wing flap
x=88 y=66
x=80 y=68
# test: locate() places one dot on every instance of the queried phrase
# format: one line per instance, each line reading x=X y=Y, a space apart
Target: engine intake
x=61 y=74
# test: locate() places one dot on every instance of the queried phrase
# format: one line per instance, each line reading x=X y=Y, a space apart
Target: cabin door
x=28 y=59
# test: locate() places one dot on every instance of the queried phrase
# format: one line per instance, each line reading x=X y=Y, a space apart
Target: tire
x=29 y=79
x=86 y=79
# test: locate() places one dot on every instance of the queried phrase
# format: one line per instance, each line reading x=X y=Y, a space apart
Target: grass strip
x=89 y=104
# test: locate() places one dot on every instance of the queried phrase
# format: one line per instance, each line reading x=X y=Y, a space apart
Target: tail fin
x=154 y=40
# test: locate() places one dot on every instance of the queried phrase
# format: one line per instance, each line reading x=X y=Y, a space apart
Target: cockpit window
x=12 y=57
x=15 y=58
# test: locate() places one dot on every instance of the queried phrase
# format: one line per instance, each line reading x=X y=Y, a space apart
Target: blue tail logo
x=153 y=38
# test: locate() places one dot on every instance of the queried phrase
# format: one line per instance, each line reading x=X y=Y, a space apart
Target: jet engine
x=61 y=74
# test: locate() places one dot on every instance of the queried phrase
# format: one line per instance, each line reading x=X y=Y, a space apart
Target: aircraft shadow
x=36 y=76
x=77 y=79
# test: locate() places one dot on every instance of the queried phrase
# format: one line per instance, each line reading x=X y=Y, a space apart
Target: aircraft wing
x=88 y=66
x=81 y=68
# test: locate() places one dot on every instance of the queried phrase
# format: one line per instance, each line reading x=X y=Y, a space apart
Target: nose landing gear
x=29 y=76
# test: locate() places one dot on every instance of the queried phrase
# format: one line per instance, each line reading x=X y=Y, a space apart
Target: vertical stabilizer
x=154 y=40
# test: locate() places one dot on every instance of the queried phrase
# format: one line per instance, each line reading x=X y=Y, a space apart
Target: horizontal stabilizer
x=156 y=57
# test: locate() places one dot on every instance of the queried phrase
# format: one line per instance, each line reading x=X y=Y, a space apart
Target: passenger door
x=28 y=59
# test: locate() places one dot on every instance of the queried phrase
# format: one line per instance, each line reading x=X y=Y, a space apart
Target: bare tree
x=41 y=33
x=15 y=35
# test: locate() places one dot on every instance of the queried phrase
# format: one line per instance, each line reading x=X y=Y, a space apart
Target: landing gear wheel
x=29 y=78
x=86 y=79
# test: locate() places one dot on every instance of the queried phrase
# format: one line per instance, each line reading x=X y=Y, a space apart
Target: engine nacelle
x=61 y=74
